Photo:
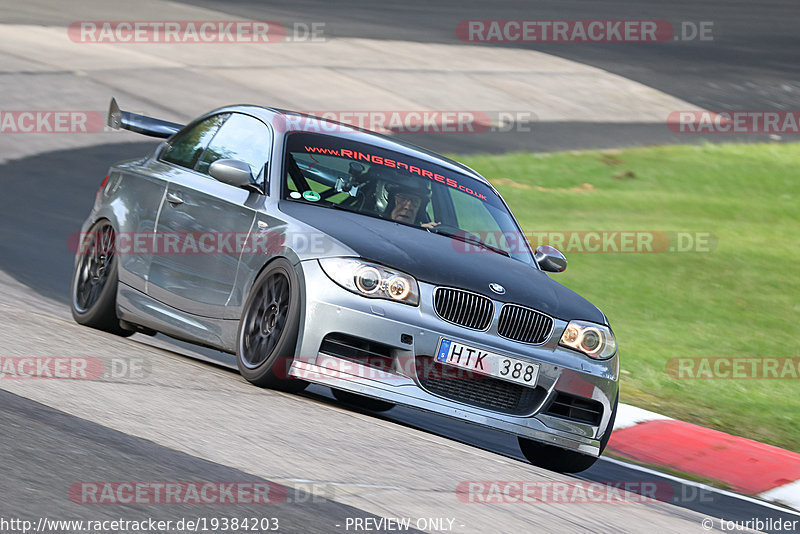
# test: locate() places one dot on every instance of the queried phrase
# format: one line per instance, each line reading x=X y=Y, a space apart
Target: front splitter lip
x=331 y=309
x=408 y=395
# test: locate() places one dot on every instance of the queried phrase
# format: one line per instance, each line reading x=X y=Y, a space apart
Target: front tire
x=269 y=328
x=94 y=281
x=561 y=460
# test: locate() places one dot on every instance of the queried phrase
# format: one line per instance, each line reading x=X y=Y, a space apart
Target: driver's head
x=406 y=204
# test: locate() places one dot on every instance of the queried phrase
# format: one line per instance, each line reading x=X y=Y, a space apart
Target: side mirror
x=232 y=172
x=550 y=259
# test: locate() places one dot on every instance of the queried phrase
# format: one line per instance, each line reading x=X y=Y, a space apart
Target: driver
x=408 y=205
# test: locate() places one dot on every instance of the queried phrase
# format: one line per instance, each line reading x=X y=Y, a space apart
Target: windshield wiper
x=472 y=239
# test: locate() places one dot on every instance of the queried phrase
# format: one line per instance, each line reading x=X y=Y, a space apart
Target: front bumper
x=414 y=332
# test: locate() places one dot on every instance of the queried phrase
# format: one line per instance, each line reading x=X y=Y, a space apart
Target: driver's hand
x=429 y=225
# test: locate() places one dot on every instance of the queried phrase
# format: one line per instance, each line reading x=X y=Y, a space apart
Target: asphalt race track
x=37 y=435
x=190 y=418
x=750 y=65
x=46 y=269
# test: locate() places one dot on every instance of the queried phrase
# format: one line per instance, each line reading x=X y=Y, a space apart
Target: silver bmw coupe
x=319 y=252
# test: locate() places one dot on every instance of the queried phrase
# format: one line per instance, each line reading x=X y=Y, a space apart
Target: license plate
x=487 y=363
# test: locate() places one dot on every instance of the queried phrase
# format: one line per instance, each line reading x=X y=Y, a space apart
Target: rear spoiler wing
x=139 y=123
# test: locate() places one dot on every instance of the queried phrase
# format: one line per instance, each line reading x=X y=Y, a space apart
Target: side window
x=241 y=137
x=186 y=148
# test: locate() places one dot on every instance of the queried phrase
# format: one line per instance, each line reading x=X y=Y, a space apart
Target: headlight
x=594 y=340
x=372 y=280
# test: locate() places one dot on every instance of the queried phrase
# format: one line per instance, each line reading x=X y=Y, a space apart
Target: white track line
x=628 y=416
x=705 y=487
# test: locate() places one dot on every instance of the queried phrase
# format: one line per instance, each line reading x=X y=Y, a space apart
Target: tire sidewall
x=276 y=367
x=103 y=313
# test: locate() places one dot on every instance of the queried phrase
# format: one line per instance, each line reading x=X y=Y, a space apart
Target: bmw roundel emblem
x=497 y=288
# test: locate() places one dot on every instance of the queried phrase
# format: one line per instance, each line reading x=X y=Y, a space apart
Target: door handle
x=174 y=200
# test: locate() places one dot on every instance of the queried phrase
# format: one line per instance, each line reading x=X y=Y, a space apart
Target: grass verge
x=737 y=295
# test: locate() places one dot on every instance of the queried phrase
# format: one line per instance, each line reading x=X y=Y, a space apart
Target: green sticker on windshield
x=311 y=196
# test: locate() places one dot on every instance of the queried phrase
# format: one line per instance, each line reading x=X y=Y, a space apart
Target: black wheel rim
x=95 y=264
x=265 y=320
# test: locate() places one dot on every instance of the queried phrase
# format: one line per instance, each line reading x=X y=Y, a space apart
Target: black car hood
x=440 y=260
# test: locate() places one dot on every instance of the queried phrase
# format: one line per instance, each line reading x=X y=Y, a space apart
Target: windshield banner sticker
x=394 y=164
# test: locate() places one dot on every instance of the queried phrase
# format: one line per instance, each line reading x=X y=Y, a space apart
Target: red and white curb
x=747 y=466
x=788 y=494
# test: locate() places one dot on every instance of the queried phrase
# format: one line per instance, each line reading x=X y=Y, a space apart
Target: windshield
x=336 y=173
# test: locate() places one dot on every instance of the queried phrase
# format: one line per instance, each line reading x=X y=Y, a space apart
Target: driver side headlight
x=372 y=280
x=594 y=340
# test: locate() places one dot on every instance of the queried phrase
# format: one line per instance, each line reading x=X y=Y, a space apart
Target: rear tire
x=561 y=460
x=360 y=401
x=269 y=328
x=94 y=281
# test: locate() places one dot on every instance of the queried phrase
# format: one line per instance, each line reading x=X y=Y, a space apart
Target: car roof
x=314 y=124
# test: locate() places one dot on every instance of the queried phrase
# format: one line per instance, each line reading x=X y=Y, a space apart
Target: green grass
x=741 y=299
